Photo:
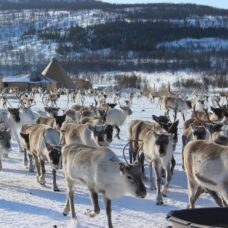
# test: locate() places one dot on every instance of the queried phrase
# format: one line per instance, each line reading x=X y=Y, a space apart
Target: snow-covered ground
x=24 y=203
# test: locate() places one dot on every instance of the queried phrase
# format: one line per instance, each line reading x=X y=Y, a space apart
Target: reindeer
x=101 y=171
x=158 y=150
x=18 y=117
x=152 y=138
x=206 y=167
x=176 y=104
x=52 y=98
x=204 y=115
x=24 y=142
x=43 y=143
x=101 y=98
x=52 y=110
x=5 y=145
x=73 y=96
x=172 y=128
x=116 y=117
x=108 y=132
x=26 y=101
x=91 y=135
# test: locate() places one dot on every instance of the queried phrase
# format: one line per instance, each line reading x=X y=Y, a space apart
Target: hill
x=96 y=36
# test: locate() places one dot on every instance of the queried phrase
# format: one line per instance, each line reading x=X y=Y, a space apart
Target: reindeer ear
x=91 y=127
x=122 y=168
x=104 y=127
x=155 y=134
x=193 y=127
x=209 y=127
x=24 y=136
x=171 y=136
x=154 y=117
x=176 y=123
x=217 y=127
x=48 y=146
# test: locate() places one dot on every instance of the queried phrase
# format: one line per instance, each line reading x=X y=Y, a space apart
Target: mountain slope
x=151 y=37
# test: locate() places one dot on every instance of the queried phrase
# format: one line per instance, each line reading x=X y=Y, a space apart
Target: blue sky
x=215 y=3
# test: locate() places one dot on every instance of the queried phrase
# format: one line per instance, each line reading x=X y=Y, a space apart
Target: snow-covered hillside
x=26 y=204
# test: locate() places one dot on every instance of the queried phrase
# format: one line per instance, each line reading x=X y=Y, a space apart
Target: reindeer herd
x=77 y=142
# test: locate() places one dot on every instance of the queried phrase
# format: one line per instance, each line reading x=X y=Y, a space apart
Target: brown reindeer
x=206 y=167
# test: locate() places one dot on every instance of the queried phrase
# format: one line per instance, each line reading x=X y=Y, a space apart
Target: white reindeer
x=101 y=171
x=18 y=117
x=116 y=117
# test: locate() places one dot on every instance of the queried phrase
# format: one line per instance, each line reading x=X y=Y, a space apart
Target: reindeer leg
x=152 y=184
x=216 y=198
x=118 y=132
x=167 y=180
x=173 y=164
x=130 y=152
x=158 y=179
x=107 y=203
x=31 y=167
x=18 y=141
x=0 y=164
x=37 y=164
x=25 y=157
x=69 y=206
x=43 y=171
x=183 y=116
x=224 y=193
x=54 y=185
x=175 y=115
x=96 y=209
x=141 y=162
x=194 y=192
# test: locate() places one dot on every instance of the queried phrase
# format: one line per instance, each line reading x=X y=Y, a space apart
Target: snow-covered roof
x=30 y=79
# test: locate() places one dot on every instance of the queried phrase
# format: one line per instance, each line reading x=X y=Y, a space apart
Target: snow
x=24 y=203
x=157 y=79
x=203 y=43
x=25 y=79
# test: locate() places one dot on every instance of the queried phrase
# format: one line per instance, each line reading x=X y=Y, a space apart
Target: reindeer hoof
x=65 y=214
x=56 y=189
x=145 y=178
x=164 y=194
x=5 y=155
x=159 y=203
x=152 y=188
x=31 y=170
x=91 y=213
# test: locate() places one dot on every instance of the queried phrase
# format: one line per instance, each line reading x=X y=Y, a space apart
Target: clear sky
x=215 y=3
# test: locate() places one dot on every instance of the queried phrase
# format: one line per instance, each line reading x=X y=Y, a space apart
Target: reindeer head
x=126 y=109
x=5 y=139
x=161 y=119
x=54 y=153
x=111 y=105
x=162 y=142
x=217 y=129
x=52 y=110
x=26 y=139
x=133 y=179
x=218 y=112
x=15 y=112
x=59 y=120
x=199 y=132
x=99 y=132
x=108 y=134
